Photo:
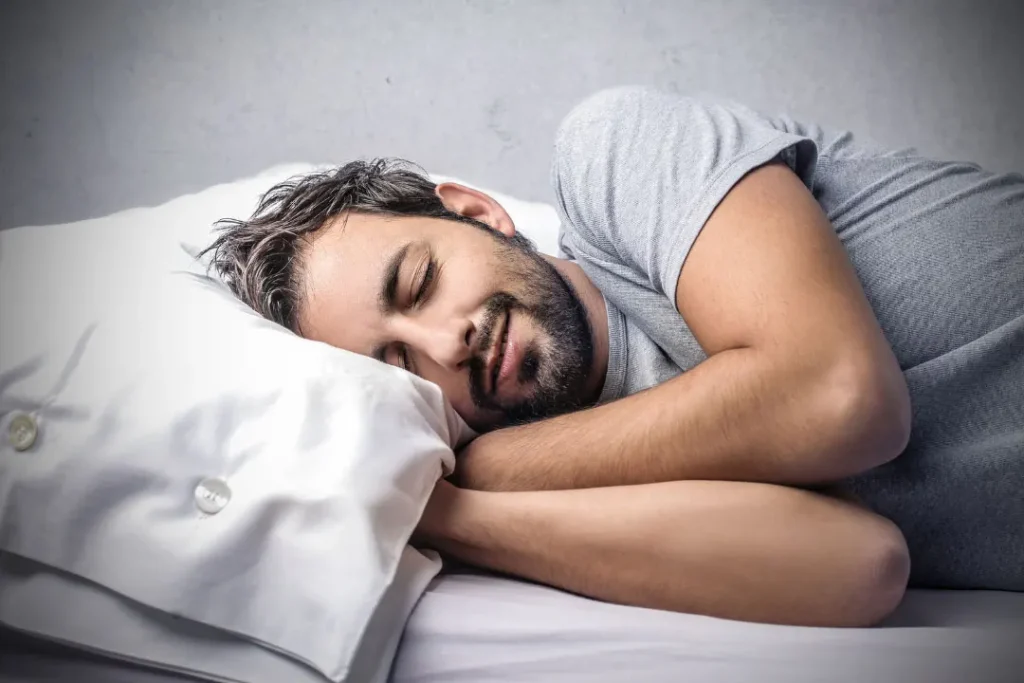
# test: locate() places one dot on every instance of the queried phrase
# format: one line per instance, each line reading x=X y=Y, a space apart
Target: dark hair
x=257 y=258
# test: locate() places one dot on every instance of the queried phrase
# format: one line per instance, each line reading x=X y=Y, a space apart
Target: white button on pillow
x=22 y=431
x=170 y=449
x=212 y=495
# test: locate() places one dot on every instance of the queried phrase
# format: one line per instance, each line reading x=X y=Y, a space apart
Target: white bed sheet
x=478 y=628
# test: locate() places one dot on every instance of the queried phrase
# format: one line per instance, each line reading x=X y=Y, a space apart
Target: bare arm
x=752 y=552
x=800 y=386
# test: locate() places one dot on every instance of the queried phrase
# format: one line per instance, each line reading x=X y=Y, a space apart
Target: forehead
x=340 y=272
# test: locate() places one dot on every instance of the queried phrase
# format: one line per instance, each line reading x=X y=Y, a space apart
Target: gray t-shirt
x=938 y=247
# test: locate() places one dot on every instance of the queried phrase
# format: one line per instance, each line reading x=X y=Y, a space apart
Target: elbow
x=883 y=573
x=872 y=412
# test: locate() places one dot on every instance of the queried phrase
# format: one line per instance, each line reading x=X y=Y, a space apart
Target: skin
x=443 y=324
x=690 y=495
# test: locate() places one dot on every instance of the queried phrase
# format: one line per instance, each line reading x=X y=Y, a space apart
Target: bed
x=479 y=628
x=471 y=627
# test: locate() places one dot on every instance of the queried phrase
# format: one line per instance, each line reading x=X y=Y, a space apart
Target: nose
x=449 y=344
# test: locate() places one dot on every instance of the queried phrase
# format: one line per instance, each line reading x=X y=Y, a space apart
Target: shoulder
x=626 y=134
x=636 y=171
x=621 y=156
x=616 y=146
x=604 y=140
x=617 y=115
x=605 y=105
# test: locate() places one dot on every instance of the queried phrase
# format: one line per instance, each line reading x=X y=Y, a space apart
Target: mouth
x=498 y=357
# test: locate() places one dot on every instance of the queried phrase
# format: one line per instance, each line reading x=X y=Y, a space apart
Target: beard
x=560 y=362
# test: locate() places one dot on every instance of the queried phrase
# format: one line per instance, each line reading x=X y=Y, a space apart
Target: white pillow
x=168 y=452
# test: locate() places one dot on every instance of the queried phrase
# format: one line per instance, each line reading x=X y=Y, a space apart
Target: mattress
x=472 y=627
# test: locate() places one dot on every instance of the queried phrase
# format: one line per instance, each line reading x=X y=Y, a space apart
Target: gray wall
x=108 y=104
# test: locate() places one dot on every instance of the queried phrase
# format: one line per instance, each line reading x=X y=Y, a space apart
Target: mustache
x=496 y=308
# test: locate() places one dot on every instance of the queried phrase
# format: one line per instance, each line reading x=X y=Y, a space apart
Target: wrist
x=456 y=518
x=496 y=462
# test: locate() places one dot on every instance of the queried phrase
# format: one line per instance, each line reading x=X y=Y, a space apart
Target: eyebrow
x=389 y=283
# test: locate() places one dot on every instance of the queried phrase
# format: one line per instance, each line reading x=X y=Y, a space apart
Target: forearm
x=751 y=552
x=738 y=416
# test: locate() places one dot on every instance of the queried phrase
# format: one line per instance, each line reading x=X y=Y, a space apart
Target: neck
x=597 y=314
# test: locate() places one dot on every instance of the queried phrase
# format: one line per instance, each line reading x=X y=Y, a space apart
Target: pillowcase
x=187 y=485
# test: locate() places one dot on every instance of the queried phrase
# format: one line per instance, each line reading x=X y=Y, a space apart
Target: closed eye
x=429 y=275
x=395 y=354
x=403 y=359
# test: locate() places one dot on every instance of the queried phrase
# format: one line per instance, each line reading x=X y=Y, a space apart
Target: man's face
x=477 y=312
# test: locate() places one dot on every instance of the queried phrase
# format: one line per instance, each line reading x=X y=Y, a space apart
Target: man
x=706 y=406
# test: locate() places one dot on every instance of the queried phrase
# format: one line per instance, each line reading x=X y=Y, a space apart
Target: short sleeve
x=637 y=172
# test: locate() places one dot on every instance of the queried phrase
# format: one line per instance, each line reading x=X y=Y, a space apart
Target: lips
x=498 y=358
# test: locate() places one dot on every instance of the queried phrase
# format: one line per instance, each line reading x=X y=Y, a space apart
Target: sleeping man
x=777 y=375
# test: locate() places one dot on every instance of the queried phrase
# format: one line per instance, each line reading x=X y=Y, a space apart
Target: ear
x=471 y=203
